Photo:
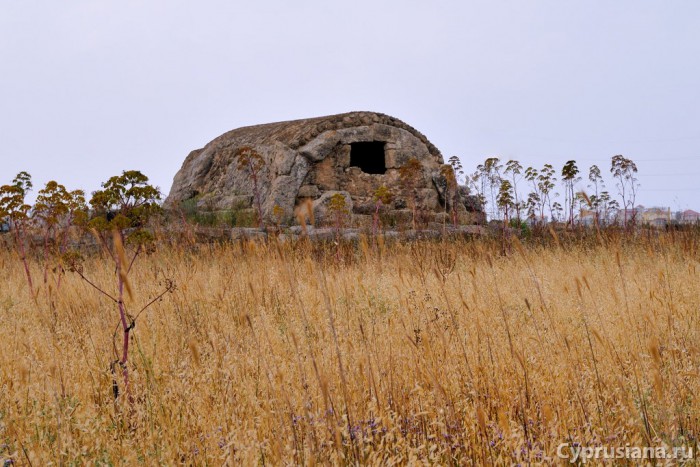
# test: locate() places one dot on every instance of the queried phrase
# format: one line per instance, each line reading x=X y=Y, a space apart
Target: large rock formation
x=352 y=154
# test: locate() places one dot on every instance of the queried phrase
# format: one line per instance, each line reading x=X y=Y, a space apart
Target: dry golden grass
x=443 y=353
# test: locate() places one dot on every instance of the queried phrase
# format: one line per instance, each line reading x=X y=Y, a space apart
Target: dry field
x=446 y=353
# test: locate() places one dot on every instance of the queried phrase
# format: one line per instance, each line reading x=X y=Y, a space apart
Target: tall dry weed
x=443 y=352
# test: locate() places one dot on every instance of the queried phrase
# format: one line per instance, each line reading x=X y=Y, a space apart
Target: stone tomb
x=352 y=154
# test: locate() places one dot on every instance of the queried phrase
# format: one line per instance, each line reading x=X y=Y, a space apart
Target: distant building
x=688 y=217
x=629 y=215
x=656 y=216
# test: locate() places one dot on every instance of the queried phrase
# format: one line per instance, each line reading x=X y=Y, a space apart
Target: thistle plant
x=250 y=161
x=15 y=211
x=382 y=197
x=55 y=211
x=122 y=207
x=339 y=210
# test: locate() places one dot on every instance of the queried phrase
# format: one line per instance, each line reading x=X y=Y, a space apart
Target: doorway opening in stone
x=368 y=156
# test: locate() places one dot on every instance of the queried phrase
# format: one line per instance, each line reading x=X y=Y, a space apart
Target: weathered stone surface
x=247 y=233
x=321 y=212
x=309 y=191
x=309 y=159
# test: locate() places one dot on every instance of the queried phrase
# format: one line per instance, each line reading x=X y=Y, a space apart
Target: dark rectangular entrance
x=368 y=156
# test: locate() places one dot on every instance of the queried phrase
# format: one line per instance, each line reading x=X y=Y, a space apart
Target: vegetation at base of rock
x=239 y=216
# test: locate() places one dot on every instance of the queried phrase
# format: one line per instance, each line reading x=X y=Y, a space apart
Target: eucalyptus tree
x=505 y=199
x=477 y=184
x=546 y=181
x=625 y=170
x=457 y=167
x=515 y=170
x=556 y=211
x=604 y=201
x=532 y=204
x=613 y=209
x=569 y=175
x=595 y=177
x=459 y=176
x=534 y=199
x=490 y=173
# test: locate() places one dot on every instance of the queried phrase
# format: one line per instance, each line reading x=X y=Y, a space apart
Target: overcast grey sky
x=90 y=88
